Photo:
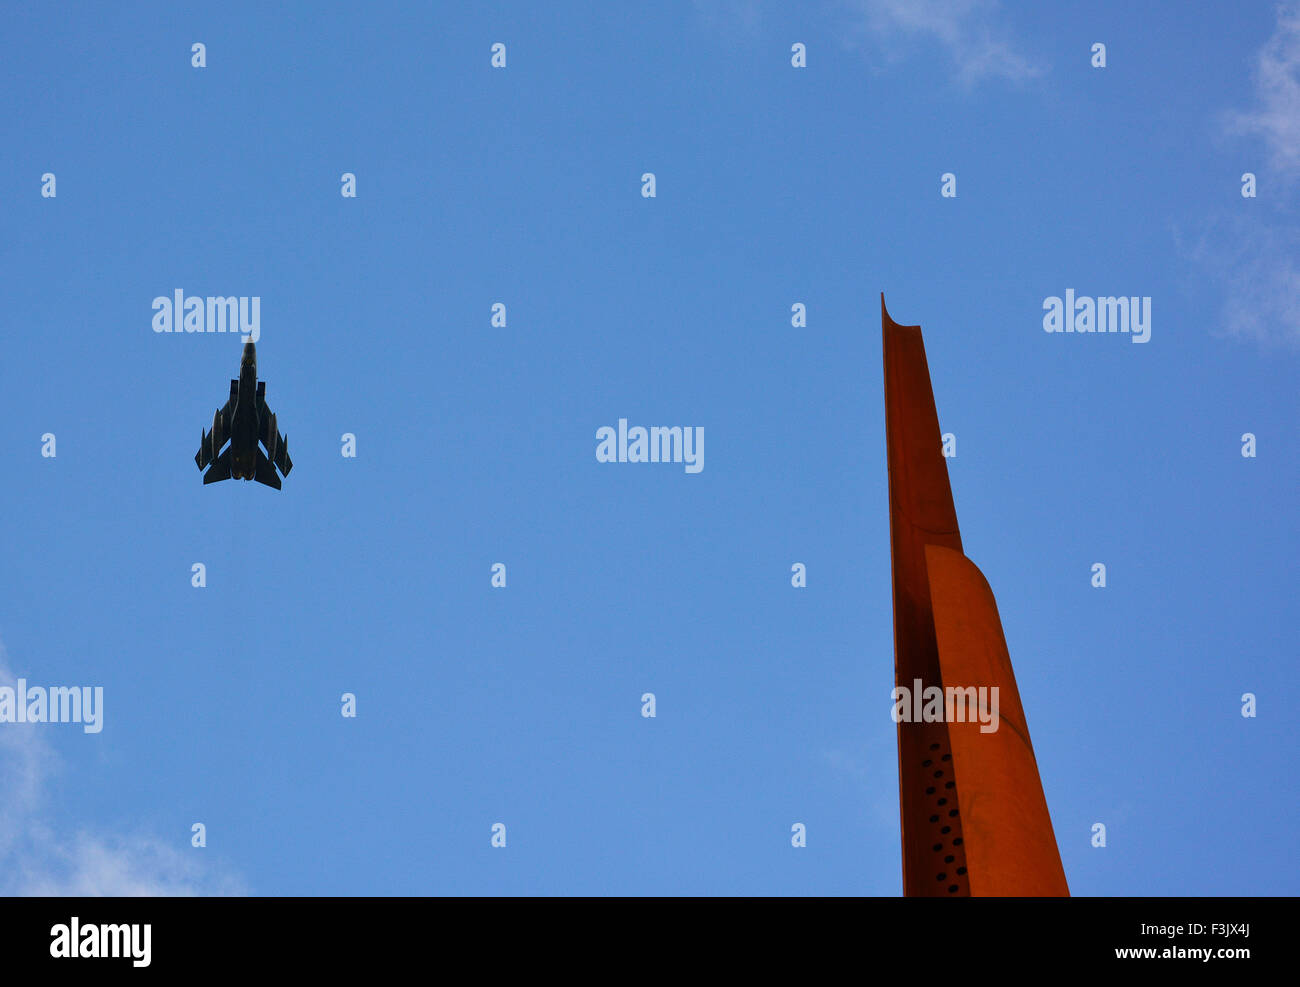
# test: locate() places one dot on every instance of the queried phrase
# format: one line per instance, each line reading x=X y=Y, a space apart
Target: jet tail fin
x=265 y=471
x=219 y=470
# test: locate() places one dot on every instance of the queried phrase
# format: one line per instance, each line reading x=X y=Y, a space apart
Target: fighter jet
x=245 y=420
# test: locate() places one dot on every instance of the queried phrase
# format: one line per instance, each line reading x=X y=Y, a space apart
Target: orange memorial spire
x=973 y=815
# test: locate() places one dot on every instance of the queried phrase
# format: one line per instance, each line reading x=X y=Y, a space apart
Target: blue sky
x=476 y=444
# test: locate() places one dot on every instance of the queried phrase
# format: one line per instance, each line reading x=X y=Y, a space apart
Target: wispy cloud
x=1256 y=264
x=967 y=31
x=1276 y=114
x=1253 y=251
x=35 y=859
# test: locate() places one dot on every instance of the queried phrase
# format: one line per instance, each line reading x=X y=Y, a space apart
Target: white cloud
x=1257 y=266
x=36 y=860
x=1276 y=115
x=1263 y=287
x=1253 y=251
x=88 y=866
x=966 y=30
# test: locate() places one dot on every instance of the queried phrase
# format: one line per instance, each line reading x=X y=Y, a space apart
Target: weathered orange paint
x=973 y=816
x=1010 y=844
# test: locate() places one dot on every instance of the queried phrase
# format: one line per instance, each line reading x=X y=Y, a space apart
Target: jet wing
x=276 y=445
x=213 y=440
x=219 y=470
x=265 y=471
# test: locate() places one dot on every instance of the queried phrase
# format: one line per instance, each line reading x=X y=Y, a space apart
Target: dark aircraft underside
x=244 y=422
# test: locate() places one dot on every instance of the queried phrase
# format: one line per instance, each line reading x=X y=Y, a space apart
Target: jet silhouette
x=244 y=421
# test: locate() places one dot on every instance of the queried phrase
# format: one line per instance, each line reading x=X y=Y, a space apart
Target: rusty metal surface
x=1010 y=845
x=973 y=816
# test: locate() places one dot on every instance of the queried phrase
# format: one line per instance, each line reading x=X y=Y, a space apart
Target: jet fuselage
x=243 y=420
